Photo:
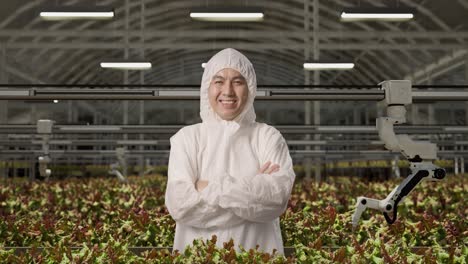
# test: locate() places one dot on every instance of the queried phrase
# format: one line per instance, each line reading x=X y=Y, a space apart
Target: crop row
x=104 y=219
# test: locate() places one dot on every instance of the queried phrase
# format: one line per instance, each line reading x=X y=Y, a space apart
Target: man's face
x=228 y=93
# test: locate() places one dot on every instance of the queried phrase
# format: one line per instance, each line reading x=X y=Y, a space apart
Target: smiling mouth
x=227 y=102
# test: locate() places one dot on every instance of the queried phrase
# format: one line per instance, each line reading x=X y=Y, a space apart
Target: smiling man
x=229 y=176
x=228 y=93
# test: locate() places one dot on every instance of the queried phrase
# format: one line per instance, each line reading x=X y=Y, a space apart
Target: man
x=229 y=176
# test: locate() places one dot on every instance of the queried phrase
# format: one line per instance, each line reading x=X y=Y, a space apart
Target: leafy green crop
x=96 y=220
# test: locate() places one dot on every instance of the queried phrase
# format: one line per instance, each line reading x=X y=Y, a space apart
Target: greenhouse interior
x=292 y=131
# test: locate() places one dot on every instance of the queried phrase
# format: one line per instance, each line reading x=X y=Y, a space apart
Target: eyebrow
x=238 y=77
x=218 y=77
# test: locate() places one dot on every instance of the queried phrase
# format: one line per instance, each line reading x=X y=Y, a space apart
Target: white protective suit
x=238 y=203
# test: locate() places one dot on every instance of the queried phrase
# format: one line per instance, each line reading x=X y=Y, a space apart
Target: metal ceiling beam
x=171 y=35
x=422 y=10
x=237 y=33
x=105 y=142
x=14 y=70
x=194 y=94
x=379 y=39
x=442 y=65
x=463 y=3
x=286 y=129
x=28 y=77
x=215 y=45
x=192 y=63
x=341 y=35
x=17 y=13
x=18 y=73
x=155 y=15
x=371 y=154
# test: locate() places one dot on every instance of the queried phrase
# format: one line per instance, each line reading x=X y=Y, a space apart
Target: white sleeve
x=263 y=197
x=185 y=204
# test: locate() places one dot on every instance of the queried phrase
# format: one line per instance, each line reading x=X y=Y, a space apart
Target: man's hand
x=267 y=169
x=200 y=185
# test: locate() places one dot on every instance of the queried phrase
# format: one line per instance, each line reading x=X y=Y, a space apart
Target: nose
x=228 y=89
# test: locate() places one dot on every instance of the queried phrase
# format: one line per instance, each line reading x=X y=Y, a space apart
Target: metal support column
x=453 y=116
x=395 y=169
x=15 y=168
x=126 y=56
x=70 y=114
x=466 y=81
x=357 y=116
x=316 y=16
x=415 y=114
x=431 y=115
x=96 y=121
x=366 y=118
x=462 y=165
x=32 y=168
x=141 y=160
x=3 y=79
x=3 y=105
x=307 y=162
x=125 y=77
x=430 y=109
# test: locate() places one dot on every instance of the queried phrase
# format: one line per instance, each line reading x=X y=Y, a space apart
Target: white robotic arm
x=44 y=129
x=424 y=171
x=121 y=163
x=420 y=154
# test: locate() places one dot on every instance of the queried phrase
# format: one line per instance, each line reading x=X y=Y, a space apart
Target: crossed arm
x=233 y=200
x=267 y=168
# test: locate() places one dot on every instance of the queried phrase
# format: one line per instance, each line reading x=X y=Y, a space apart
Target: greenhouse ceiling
x=429 y=49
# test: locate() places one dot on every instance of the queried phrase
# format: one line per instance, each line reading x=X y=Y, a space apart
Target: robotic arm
x=121 y=163
x=44 y=128
x=420 y=154
x=388 y=206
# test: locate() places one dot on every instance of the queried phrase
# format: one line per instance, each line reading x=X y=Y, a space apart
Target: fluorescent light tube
x=75 y=15
x=317 y=66
x=227 y=14
x=56 y=101
x=374 y=16
x=77 y=12
x=127 y=65
x=233 y=17
x=385 y=14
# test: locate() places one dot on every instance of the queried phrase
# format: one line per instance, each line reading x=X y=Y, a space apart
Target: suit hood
x=233 y=59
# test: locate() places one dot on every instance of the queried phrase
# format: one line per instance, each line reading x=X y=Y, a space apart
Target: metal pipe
x=270 y=94
x=370 y=154
x=285 y=129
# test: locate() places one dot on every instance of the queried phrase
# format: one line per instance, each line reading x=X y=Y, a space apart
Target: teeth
x=227 y=101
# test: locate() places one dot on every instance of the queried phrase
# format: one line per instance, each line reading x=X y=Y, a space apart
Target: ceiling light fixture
x=227 y=14
x=126 y=65
x=318 y=66
x=74 y=12
x=384 y=14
